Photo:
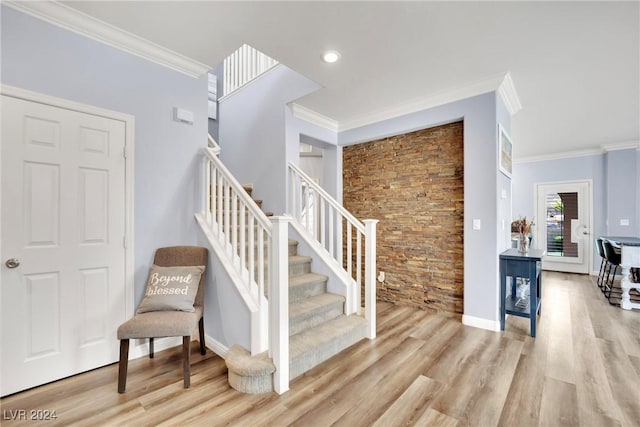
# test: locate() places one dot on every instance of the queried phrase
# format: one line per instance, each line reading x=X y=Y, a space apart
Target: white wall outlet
x=624 y=221
x=381 y=277
x=476 y=224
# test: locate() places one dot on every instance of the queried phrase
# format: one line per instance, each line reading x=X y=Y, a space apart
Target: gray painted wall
x=504 y=196
x=43 y=58
x=481 y=248
x=526 y=175
x=254 y=139
x=616 y=189
x=621 y=199
x=329 y=164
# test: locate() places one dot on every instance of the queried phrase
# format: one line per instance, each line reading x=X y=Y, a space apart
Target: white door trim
x=129 y=121
x=589 y=182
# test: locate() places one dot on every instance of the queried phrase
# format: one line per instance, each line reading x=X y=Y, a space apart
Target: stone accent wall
x=413 y=183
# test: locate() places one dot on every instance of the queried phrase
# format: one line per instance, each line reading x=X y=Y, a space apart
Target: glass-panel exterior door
x=563 y=226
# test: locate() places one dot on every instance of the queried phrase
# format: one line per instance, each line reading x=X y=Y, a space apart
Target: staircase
x=298 y=318
x=318 y=328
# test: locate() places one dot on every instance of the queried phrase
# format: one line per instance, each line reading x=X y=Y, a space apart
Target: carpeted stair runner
x=318 y=329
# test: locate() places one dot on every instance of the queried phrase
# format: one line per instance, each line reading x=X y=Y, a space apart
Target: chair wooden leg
x=150 y=348
x=201 y=331
x=123 y=365
x=186 y=361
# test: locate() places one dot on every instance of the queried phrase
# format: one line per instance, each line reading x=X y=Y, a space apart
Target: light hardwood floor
x=427 y=369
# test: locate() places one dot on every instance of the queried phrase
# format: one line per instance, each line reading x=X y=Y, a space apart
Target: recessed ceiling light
x=330 y=56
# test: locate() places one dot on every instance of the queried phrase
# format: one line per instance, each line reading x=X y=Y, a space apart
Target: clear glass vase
x=523 y=243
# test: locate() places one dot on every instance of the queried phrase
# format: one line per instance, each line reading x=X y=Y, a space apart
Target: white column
x=370 y=276
x=279 y=303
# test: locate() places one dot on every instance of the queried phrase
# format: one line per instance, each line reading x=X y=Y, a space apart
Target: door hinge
x=124 y=151
x=124 y=242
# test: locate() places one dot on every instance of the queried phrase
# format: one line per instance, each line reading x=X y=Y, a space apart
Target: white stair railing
x=253 y=249
x=244 y=65
x=243 y=234
x=213 y=145
x=351 y=244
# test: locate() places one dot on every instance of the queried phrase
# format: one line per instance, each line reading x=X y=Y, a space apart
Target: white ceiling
x=575 y=65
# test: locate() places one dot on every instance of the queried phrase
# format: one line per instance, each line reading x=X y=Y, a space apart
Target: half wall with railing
x=349 y=245
x=242 y=66
x=252 y=248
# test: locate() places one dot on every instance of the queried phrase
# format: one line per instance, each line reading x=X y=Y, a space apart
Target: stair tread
x=311 y=338
x=314 y=303
x=293 y=242
x=298 y=259
x=303 y=279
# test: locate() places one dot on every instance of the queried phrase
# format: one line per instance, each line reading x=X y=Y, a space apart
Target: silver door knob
x=12 y=262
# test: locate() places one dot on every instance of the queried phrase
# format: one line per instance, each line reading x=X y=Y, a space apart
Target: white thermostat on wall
x=181 y=115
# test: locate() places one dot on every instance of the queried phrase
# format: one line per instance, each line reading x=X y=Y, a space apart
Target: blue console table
x=527 y=266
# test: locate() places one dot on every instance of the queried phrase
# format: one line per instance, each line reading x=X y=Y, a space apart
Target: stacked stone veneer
x=413 y=183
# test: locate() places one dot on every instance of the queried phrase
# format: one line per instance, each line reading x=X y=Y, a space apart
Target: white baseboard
x=477 y=322
x=216 y=346
x=141 y=348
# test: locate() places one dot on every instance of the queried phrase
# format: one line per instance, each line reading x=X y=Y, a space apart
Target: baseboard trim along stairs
x=318 y=329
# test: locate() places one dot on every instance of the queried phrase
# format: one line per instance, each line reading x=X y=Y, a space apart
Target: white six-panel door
x=63 y=224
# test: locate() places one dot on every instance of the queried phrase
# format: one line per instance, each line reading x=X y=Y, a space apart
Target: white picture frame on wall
x=505 y=152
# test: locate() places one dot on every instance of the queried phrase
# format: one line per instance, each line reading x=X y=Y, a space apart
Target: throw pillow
x=171 y=288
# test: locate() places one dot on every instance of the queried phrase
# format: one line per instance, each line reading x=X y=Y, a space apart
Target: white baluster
x=220 y=201
x=349 y=250
x=226 y=215
x=261 y=261
x=234 y=224
x=213 y=174
x=251 y=244
x=339 y=232
x=332 y=230
x=243 y=236
x=206 y=203
x=323 y=227
x=359 y=268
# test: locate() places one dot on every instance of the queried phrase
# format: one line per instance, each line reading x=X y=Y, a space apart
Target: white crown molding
x=468 y=91
x=308 y=115
x=501 y=83
x=80 y=23
x=560 y=155
x=626 y=145
x=507 y=91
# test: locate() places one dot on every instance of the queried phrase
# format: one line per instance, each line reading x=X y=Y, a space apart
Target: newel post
x=206 y=191
x=370 y=276
x=279 y=303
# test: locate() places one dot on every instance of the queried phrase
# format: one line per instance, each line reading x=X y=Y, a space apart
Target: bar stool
x=603 y=263
x=613 y=259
